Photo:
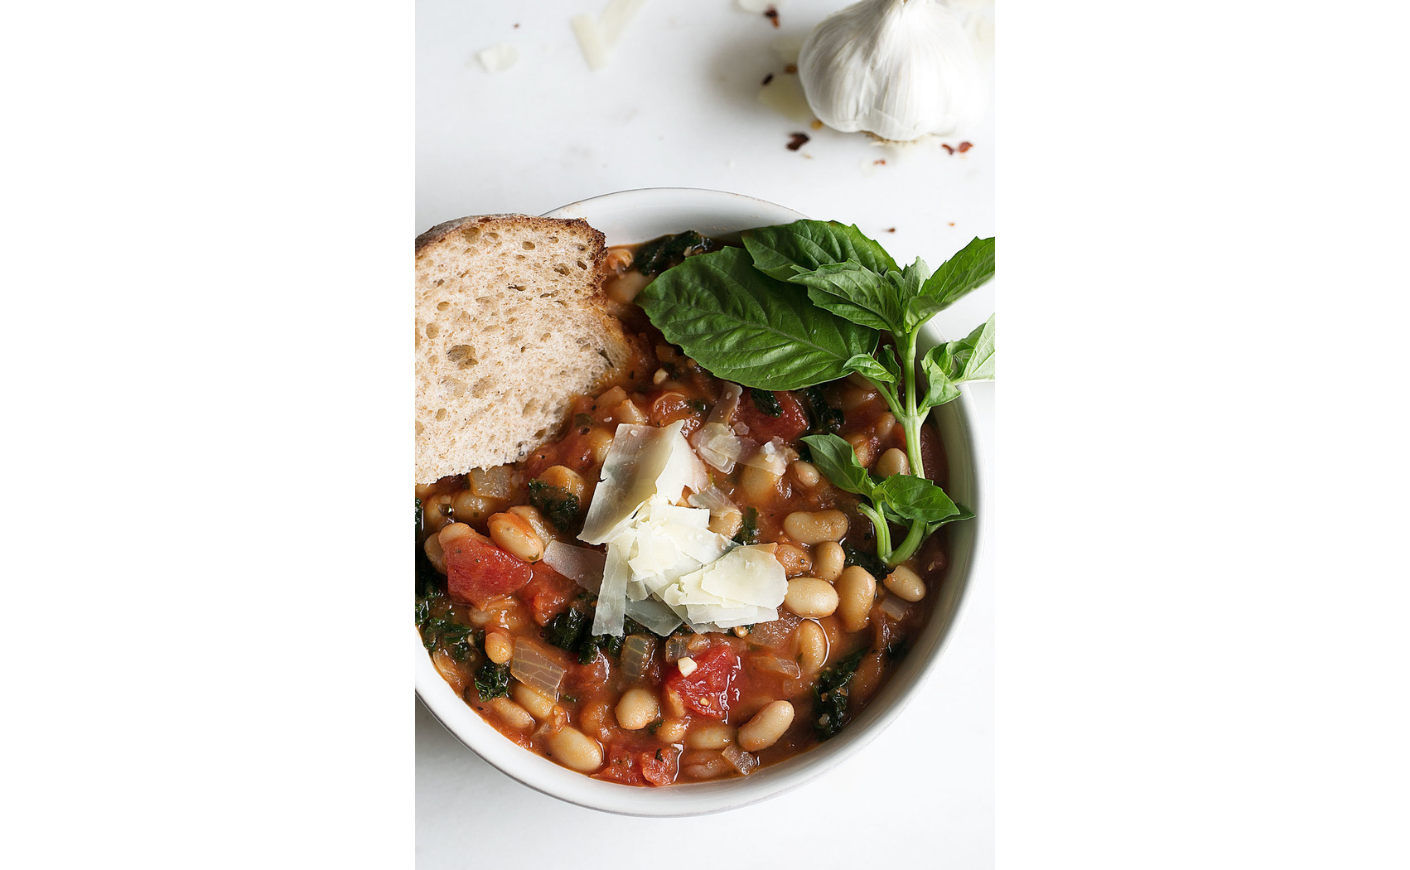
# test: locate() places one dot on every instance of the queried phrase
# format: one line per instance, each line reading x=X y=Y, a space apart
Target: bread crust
x=512 y=322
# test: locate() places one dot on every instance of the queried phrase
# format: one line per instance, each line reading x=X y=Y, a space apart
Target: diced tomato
x=632 y=766
x=670 y=407
x=792 y=422
x=709 y=689
x=477 y=572
x=548 y=593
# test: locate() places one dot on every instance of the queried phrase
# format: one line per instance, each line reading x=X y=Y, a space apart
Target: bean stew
x=513 y=634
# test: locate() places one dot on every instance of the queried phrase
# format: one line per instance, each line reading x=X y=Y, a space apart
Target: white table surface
x=677 y=107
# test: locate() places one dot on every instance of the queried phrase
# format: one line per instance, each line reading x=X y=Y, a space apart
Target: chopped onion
x=787 y=667
x=725 y=407
x=720 y=447
x=773 y=457
x=491 y=482
x=534 y=667
x=576 y=563
x=894 y=607
x=742 y=761
x=774 y=632
x=714 y=500
x=636 y=655
x=677 y=648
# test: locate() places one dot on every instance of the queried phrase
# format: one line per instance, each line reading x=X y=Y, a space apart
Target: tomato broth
x=649 y=710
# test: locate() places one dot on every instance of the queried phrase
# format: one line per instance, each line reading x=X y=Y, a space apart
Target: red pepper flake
x=797 y=140
x=768 y=78
x=879 y=162
x=516 y=27
x=948 y=149
x=965 y=146
x=952 y=223
x=791 y=68
x=772 y=14
x=889 y=230
x=817 y=125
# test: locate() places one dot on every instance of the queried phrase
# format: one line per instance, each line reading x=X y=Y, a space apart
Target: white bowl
x=636 y=216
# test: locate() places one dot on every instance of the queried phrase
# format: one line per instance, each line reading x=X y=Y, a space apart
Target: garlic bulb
x=899 y=69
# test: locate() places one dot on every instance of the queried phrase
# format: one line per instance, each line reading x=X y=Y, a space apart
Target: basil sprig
x=806 y=303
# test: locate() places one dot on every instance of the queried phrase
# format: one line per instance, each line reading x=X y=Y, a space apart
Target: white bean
x=815 y=527
x=810 y=597
x=637 y=708
x=767 y=726
x=575 y=749
x=856 y=592
x=828 y=561
x=905 y=584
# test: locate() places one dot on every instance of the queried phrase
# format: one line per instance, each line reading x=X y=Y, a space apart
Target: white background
x=677 y=107
x=1201 y=585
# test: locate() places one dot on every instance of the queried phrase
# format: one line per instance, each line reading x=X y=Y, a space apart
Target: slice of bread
x=511 y=323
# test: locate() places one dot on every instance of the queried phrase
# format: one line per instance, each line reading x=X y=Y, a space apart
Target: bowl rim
x=549 y=778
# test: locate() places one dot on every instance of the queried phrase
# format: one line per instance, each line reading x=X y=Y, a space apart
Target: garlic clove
x=898 y=69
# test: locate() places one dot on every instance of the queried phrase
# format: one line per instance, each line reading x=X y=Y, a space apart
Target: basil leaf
x=937 y=365
x=979 y=362
x=966 y=270
x=836 y=459
x=855 y=292
x=803 y=246
x=968 y=359
x=869 y=368
x=915 y=498
x=746 y=327
x=920 y=309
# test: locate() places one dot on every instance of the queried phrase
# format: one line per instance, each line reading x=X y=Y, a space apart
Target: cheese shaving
x=498 y=58
x=591 y=41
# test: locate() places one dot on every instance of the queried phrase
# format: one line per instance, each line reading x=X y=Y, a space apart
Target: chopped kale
x=571 y=630
x=419 y=519
x=766 y=402
x=898 y=648
x=869 y=561
x=566 y=629
x=588 y=647
x=749 y=531
x=582 y=421
x=571 y=699
x=558 y=506
x=492 y=680
x=822 y=417
x=831 y=693
x=658 y=255
x=699 y=406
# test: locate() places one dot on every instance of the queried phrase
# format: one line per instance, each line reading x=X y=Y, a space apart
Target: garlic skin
x=898 y=69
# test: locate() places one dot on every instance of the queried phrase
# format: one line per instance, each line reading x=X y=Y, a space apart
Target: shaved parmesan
x=612 y=597
x=615 y=18
x=643 y=462
x=664 y=565
x=654 y=615
x=743 y=587
x=590 y=40
x=498 y=58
